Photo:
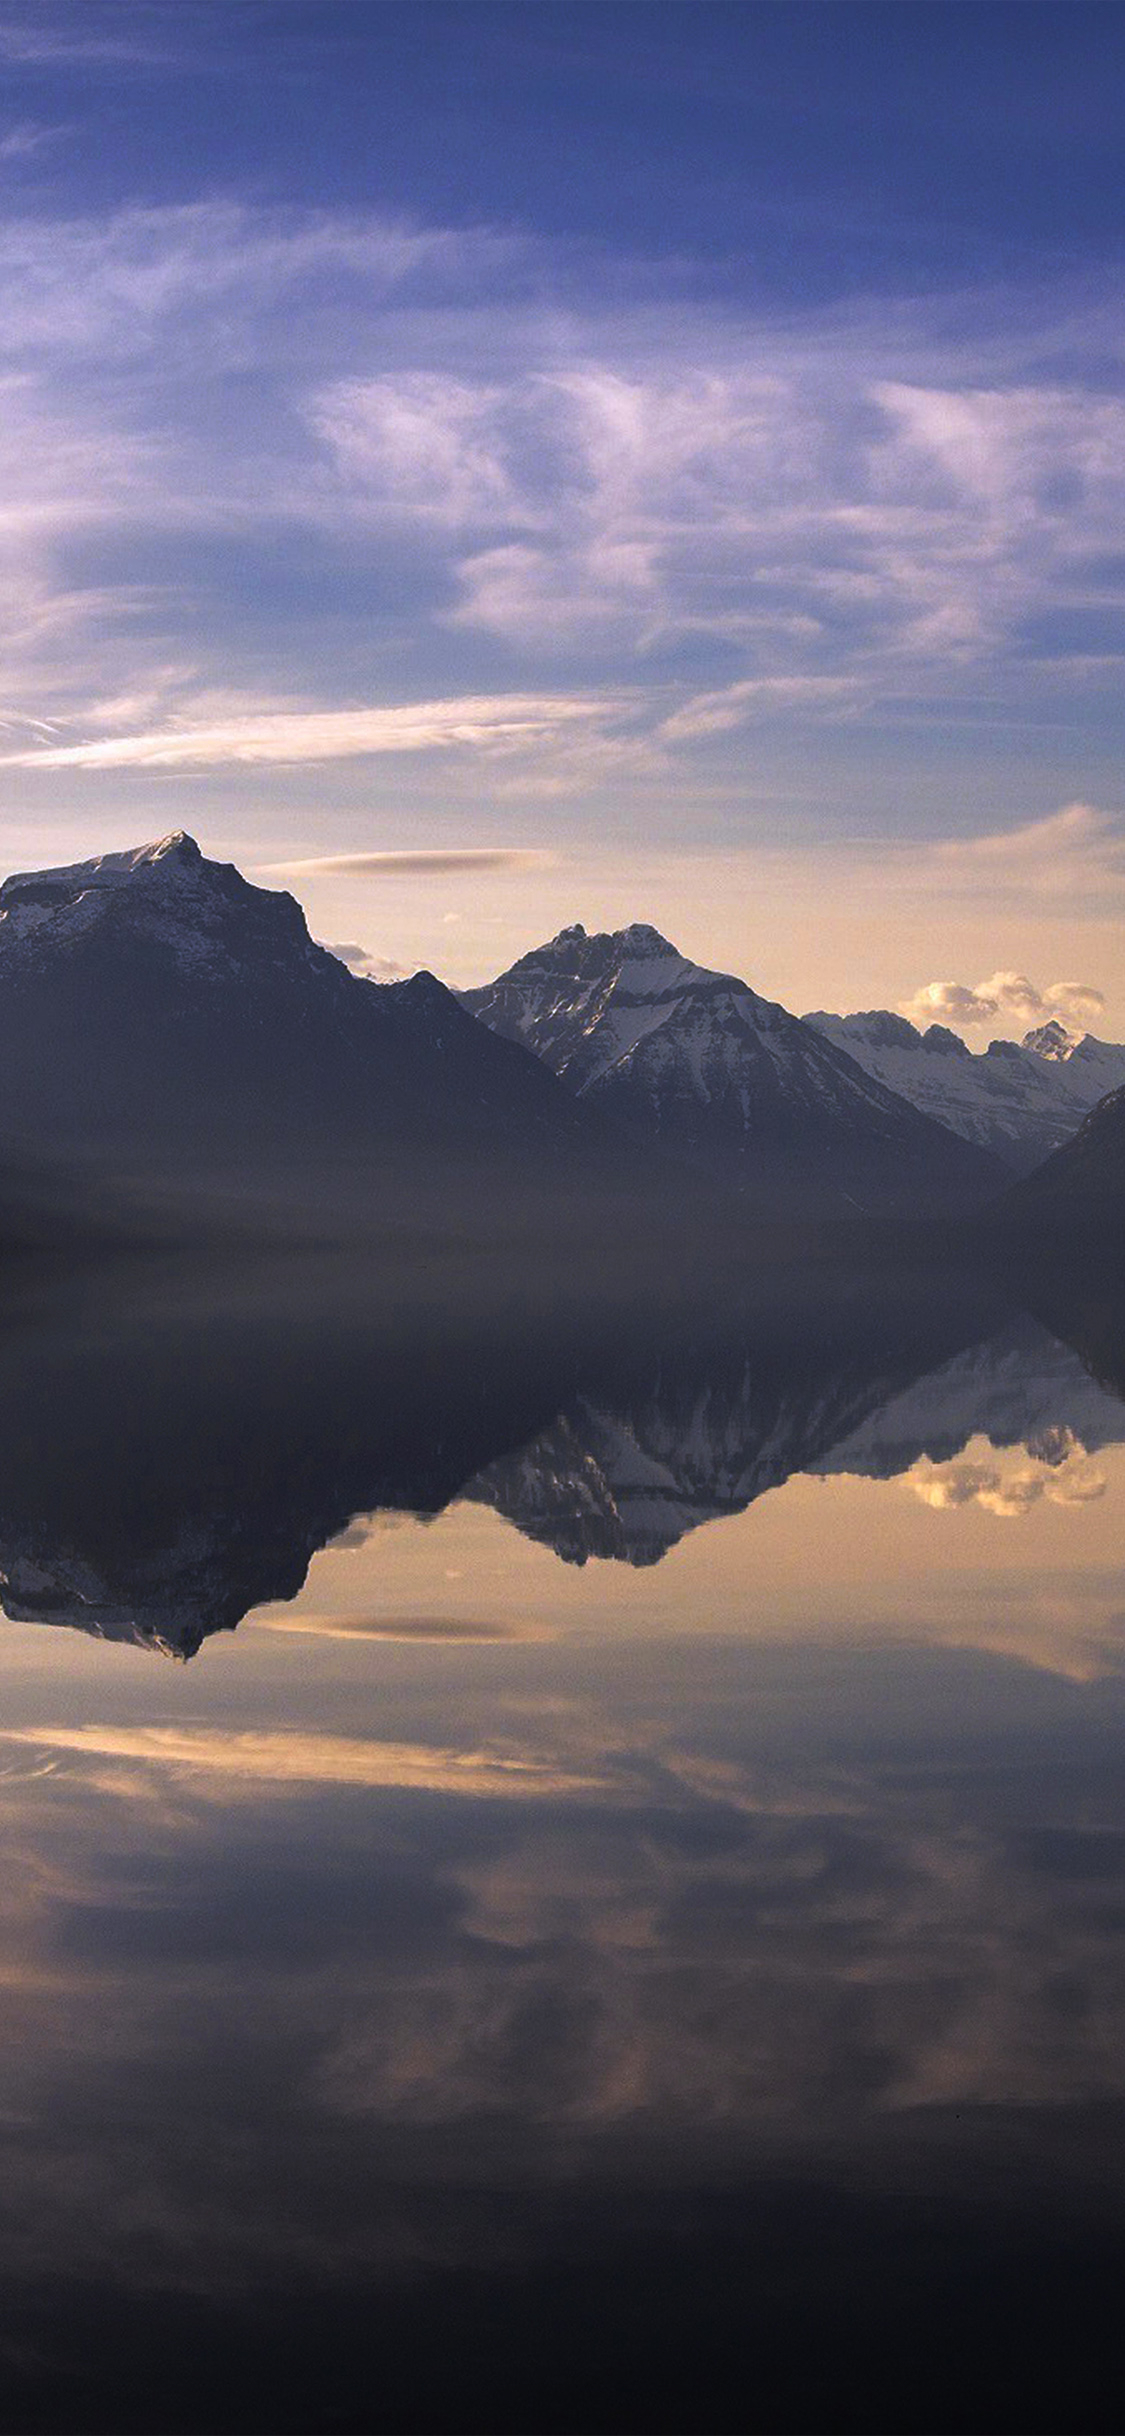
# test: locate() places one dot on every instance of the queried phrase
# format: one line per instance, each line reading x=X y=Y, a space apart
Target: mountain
x=1020 y=1101
x=1050 y=1040
x=1080 y=1191
x=732 y=1084
x=1091 y=1067
x=169 y=1026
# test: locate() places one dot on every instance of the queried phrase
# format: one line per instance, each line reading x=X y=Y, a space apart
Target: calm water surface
x=560 y=1869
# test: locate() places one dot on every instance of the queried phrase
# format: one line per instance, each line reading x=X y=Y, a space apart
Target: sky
x=493 y=466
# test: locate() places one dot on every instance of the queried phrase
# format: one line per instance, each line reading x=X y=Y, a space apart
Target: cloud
x=39 y=42
x=754 y=697
x=424 y=862
x=28 y=137
x=391 y=1628
x=773 y=487
x=1070 y=863
x=425 y=445
x=295 y=1758
x=1004 y=998
x=1040 y=853
x=498 y=722
x=1006 y=1484
x=224 y=424
x=363 y=961
x=152 y=279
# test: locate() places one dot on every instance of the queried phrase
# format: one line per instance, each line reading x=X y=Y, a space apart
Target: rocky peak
x=886 y=1031
x=641 y=939
x=167 y=859
x=938 y=1036
x=167 y=896
x=875 y=1028
x=1051 y=1040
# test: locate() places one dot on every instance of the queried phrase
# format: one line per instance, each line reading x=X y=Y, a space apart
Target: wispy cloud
x=606 y=549
x=106 y=37
x=295 y=1758
x=428 y=446
x=1078 y=831
x=305 y=1625
x=734 y=706
x=497 y=722
x=28 y=137
x=774 y=488
x=412 y=862
x=1075 y=855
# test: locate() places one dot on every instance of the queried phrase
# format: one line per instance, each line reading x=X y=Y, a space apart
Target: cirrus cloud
x=293 y=452
x=498 y=721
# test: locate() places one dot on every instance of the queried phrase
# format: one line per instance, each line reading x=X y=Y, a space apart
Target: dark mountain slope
x=1080 y=1191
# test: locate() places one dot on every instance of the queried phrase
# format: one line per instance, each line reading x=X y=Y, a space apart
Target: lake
x=563 y=1853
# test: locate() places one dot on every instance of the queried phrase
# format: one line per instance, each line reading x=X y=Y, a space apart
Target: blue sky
x=655 y=460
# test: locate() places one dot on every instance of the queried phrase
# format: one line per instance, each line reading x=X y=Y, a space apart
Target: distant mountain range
x=1019 y=1100
x=729 y=1083
x=172 y=1036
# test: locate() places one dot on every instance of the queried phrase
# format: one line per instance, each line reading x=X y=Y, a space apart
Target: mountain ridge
x=170 y=1028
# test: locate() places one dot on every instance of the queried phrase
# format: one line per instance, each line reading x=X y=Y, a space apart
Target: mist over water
x=617 y=1924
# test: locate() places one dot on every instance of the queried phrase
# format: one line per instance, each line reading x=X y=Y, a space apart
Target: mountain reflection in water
x=172 y=1453
x=483 y=1991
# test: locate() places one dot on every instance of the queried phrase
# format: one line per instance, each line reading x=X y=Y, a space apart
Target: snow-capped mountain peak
x=165 y=898
x=938 y=1038
x=167 y=858
x=584 y=1001
x=725 y=1079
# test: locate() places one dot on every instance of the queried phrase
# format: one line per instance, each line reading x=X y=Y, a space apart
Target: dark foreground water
x=620 y=1924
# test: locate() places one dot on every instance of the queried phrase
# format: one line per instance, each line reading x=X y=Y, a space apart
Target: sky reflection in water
x=662 y=1987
